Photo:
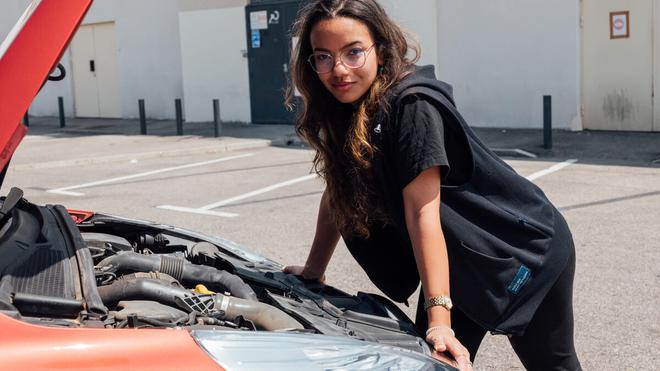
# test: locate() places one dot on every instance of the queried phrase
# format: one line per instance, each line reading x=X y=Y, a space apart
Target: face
x=345 y=38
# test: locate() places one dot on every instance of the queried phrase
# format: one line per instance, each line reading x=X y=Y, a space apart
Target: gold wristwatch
x=443 y=301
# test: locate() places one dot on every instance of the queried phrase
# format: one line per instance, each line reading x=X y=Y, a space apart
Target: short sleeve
x=419 y=140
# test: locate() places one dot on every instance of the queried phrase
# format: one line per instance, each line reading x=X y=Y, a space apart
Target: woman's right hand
x=299 y=270
x=443 y=340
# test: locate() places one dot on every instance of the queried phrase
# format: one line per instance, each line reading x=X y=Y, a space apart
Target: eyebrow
x=343 y=47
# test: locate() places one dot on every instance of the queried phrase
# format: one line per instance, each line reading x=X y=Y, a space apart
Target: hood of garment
x=423 y=77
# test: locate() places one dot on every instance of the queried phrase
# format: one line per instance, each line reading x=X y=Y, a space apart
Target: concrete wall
x=502 y=56
x=212 y=51
x=419 y=18
x=149 y=55
x=149 y=52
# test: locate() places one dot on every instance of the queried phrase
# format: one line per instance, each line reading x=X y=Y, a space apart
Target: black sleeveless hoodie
x=507 y=243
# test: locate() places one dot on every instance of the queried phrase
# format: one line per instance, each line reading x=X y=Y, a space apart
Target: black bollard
x=179 y=117
x=26 y=120
x=217 y=124
x=60 y=103
x=547 y=121
x=143 y=117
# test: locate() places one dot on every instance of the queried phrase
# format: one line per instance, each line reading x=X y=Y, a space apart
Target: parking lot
x=265 y=198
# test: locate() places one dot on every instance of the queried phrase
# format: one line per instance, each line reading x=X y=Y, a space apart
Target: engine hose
x=264 y=316
x=180 y=269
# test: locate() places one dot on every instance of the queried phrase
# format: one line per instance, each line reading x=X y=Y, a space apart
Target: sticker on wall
x=619 y=25
x=256 y=39
x=259 y=20
x=274 y=17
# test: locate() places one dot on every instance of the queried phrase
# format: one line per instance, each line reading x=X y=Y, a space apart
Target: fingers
x=460 y=354
x=437 y=342
x=298 y=270
x=293 y=269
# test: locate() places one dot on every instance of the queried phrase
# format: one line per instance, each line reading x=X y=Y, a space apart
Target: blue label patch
x=522 y=277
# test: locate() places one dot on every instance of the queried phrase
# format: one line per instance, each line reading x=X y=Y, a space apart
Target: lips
x=343 y=86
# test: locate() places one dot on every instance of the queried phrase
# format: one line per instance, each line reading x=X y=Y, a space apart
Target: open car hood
x=28 y=54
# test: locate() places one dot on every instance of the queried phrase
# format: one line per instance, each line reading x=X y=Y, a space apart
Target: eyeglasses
x=324 y=62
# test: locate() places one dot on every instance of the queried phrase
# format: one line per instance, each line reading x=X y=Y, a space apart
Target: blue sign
x=256 y=39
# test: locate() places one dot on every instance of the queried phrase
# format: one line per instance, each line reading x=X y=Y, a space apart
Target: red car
x=83 y=290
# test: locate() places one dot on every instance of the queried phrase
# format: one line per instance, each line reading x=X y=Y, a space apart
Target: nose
x=339 y=68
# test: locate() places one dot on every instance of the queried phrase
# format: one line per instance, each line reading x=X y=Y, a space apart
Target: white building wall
x=503 y=56
x=418 y=18
x=213 y=44
x=149 y=53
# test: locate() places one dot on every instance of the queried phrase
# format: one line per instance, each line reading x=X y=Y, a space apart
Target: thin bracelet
x=439 y=327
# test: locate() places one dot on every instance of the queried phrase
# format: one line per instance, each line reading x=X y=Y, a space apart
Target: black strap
x=13 y=198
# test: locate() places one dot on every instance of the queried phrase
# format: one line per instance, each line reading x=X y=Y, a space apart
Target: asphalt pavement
x=610 y=197
x=597 y=147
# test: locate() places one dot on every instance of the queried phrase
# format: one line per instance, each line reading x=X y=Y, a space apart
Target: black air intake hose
x=264 y=316
x=182 y=270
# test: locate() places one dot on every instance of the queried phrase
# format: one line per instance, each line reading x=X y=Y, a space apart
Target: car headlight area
x=239 y=350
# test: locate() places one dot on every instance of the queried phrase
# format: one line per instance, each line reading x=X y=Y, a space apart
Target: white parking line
x=518 y=151
x=67 y=190
x=206 y=210
x=197 y=211
x=551 y=169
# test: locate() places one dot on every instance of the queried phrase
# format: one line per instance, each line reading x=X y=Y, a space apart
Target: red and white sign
x=619 y=25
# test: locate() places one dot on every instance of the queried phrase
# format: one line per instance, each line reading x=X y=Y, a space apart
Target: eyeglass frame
x=366 y=55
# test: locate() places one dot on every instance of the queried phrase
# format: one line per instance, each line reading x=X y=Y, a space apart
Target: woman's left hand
x=442 y=339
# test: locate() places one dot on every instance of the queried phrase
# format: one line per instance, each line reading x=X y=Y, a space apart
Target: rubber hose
x=180 y=269
x=264 y=316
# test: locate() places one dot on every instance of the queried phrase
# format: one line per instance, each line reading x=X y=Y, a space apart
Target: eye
x=355 y=52
x=322 y=57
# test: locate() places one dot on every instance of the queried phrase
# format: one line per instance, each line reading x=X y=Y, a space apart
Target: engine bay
x=111 y=272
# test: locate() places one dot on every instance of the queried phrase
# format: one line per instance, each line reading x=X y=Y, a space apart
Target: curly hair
x=340 y=133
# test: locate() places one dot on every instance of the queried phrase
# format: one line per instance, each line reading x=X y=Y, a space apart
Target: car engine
x=79 y=269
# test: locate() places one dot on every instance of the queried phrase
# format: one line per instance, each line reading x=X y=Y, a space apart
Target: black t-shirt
x=505 y=247
x=417 y=140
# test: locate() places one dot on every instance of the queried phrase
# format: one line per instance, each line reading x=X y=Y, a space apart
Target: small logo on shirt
x=377 y=129
x=522 y=277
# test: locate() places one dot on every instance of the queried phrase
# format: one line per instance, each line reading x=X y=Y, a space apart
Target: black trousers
x=548 y=340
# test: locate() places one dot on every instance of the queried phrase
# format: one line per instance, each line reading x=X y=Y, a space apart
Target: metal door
x=618 y=72
x=85 y=87
x=269 y=42
x=96 y=71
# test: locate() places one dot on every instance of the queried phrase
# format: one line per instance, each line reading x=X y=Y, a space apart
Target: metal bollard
x=143 y=117
x=547 y=121
x=26 y=119
x=60 y=103
x=217 y=124
x=179 y=117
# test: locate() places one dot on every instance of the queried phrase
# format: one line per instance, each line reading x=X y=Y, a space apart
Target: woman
x=389 y=143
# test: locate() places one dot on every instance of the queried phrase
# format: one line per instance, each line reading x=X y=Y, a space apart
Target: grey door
x=268 y=58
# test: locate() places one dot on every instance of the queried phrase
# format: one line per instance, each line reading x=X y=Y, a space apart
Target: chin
x=347 y=98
